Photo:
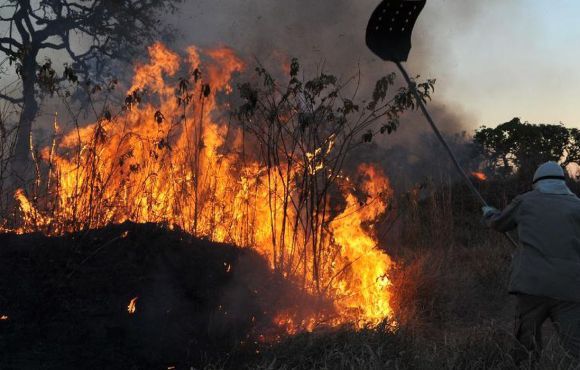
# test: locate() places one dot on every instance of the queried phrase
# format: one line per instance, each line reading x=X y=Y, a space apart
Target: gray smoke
x=329 y=34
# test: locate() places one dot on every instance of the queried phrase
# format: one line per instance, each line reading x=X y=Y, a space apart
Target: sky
x=515 y=58
x=493 y=59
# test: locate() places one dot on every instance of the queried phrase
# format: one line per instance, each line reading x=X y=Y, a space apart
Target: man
x=545 y=276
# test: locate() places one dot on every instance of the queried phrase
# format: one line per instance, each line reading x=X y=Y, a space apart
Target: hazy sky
x=493 y=59
x=515 y=58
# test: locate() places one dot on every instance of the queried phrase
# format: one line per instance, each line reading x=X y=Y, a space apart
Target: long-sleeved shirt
x=547 y=263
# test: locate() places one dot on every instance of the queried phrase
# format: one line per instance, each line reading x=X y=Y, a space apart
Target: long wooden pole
x=470 y=185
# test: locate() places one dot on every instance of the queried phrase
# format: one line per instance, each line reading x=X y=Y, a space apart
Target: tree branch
x=11 y=99
x=27 y=10
x=58 y=27
x=18 y=19
x=80 y=8
x=50 y=45
x=7 y=40
x=7 y=51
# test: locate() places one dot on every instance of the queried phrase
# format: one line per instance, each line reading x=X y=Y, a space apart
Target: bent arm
x=505 y=220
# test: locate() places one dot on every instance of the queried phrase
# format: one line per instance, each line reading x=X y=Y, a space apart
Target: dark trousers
x=533 y=311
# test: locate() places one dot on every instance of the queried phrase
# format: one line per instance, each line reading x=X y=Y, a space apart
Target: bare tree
x=116 y=30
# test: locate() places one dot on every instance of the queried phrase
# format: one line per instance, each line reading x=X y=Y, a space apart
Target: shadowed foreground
x=204 y=305
x=66 y=299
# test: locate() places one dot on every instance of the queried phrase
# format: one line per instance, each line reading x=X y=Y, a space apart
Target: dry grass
x=452 y=312
x=451 y=302
x=480 y=347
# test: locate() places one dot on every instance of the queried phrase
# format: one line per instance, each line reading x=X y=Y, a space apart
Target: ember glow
x=132 y=305
x=172 y=156
x=479 y=175
x=3 y=317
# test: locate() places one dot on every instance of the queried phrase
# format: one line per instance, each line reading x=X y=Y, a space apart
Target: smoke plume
x=329 y=35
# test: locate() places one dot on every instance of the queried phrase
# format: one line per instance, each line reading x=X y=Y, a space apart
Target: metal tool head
x=390 y=27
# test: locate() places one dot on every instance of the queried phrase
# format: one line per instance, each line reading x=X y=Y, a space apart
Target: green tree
x=518 y=148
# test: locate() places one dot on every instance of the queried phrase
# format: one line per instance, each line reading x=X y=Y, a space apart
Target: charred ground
x=66 y=299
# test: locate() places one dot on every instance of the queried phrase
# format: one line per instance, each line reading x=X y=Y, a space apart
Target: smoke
x=330 y=34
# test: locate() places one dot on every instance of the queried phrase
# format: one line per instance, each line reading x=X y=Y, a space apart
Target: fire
x=4 y=317
x=365 y=291
x=31 y=216
x=286 y=320
x=479 y=175
x=132 y=305
x=171 y=156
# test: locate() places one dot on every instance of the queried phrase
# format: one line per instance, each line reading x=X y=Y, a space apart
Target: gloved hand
x=488 y=211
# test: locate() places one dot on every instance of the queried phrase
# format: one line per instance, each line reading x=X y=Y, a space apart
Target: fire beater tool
x=388 y=35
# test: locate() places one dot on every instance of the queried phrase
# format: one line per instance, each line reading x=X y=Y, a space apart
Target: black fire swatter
x=389 y=36
x=390 y=27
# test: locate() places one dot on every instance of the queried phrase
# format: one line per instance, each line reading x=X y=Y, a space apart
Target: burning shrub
x=271 y=179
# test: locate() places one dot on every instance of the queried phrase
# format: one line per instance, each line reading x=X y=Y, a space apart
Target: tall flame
x=365 y=289
x=173 y=158
x=132 y=307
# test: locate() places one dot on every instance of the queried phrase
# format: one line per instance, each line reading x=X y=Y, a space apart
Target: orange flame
x=479 y=175
x=3 y=317
x=165 y=161
x=286 y=320
x=132 y=306
x=365 y=292
x=31 y=216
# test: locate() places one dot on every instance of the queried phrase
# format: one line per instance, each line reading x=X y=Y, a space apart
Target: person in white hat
x=545 y=275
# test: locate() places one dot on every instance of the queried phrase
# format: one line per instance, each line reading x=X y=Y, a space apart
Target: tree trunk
x=21 y=165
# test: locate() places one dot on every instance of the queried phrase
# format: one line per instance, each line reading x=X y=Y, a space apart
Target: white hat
x=549 y=170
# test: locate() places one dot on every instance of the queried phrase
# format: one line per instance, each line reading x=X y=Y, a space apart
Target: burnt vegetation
x=66 y=299
x=289 y=197
x=237 y=257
